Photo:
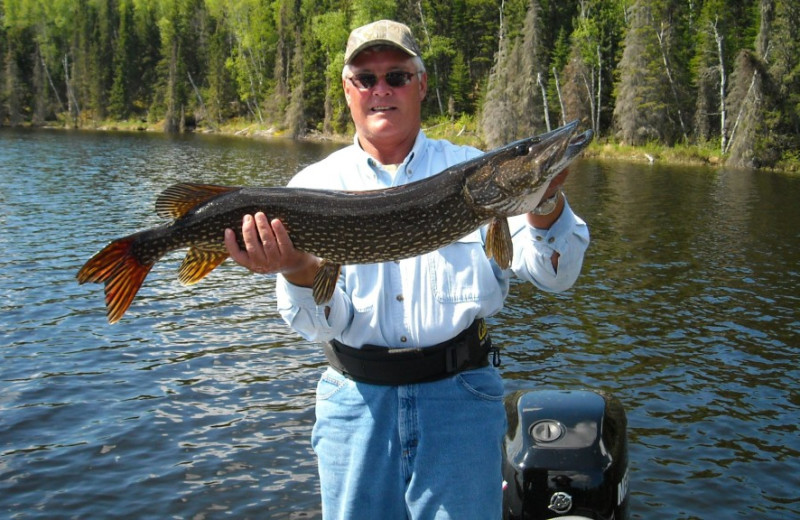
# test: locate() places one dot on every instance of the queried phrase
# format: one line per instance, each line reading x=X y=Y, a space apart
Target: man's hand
x=268 y=249
x=556 y=184
x=545 y=221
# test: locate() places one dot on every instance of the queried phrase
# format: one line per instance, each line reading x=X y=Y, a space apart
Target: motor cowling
x=566 y=456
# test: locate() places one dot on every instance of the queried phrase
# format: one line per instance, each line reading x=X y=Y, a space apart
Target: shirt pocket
x=363 y=282
x=461 y=272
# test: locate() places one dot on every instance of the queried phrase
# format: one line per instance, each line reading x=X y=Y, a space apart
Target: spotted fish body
x=343 y=227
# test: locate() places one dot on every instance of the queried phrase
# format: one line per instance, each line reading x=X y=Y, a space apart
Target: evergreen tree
x=331 y=32
x=532 y=62
x=120 y=97
x=578 y=95
x=498 y=121
x=220 y=91
x=745 y=102
x=13 y=88
x=783 y=137
x=3 y=66
x=514 y=106
x=745 y=99
x=642 y=111
x=711 y=69
x=295 y=122
x=764 y=90
x=589 y=74
x=459 y=87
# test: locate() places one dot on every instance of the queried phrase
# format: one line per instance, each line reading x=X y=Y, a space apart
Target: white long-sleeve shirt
x=428 y=299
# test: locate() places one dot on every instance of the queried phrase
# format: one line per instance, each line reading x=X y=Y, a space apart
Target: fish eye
x=523 y=150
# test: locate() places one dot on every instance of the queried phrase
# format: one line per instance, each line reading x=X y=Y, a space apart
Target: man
x=397 y=437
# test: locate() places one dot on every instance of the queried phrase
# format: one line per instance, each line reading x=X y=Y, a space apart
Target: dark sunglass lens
x=365 y=80
x=398 y=78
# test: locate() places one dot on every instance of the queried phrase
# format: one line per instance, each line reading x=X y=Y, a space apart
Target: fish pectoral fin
x=498 y=243
x=325 y=281
x=179 y=199
x=198 y=263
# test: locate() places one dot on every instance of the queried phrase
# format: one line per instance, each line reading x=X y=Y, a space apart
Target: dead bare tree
x=560 y=98
x=722 y=85
x=544 y=100
x=660 y=34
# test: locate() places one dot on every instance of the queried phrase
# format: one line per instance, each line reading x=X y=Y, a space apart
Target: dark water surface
x=199 y=403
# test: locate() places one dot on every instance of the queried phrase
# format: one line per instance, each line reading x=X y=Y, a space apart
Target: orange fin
x=198 y=263
x=325 y=281
x=178 y=199
x=498 y=243
x=122 y=272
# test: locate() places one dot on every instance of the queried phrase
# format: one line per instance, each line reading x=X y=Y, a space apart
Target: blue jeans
x=424 y=451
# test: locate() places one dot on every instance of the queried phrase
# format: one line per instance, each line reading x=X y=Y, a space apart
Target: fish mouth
x=577 y=144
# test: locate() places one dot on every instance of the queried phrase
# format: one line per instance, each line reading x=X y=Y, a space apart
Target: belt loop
x=450 y=359
x=454 y=357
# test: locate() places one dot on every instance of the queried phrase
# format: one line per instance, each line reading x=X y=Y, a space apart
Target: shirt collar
x=413 y=157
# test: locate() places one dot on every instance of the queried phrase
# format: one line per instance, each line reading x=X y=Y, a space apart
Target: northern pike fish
x=343 y=227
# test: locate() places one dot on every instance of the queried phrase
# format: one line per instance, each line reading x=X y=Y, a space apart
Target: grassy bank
x=462 y=131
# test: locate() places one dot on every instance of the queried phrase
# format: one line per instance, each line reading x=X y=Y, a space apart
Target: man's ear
x=346 y=91
x=423 y=86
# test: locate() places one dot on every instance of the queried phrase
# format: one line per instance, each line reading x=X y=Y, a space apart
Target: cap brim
x=373 y=43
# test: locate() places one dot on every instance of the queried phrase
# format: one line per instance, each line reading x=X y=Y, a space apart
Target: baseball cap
x=382 y=32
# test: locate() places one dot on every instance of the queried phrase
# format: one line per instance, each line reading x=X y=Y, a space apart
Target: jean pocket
x=484 y=383
x=329 y=384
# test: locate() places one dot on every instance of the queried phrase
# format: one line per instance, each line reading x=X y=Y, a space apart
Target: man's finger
x=282 y=236
x=251 y=237
x=237 y=254
x=264 y=230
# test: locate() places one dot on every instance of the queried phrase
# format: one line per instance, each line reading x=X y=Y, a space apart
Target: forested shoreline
x=719 y=74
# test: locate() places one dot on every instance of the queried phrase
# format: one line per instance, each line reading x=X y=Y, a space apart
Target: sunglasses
x=395 y=79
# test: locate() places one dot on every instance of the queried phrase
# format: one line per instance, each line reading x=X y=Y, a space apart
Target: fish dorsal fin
x=198 y=263
x=498 y=243
x=178 y=199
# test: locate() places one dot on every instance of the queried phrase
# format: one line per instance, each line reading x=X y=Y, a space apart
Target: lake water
x=199 y=403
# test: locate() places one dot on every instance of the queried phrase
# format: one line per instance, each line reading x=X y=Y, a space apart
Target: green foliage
x=655 y=65
x=366 y=11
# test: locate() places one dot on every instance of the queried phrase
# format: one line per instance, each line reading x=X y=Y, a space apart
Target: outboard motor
x=566 y=456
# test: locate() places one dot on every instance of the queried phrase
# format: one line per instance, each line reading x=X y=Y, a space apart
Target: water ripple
x=199 y=403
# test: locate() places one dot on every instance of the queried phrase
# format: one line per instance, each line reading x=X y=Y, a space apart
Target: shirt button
x=551 y=240
x=538 y=237
x=403 y=339
x=400 y=297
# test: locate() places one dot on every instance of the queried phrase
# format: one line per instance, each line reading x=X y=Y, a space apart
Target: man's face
x=384 y=113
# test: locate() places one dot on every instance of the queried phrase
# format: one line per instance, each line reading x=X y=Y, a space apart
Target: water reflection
x=199 y=403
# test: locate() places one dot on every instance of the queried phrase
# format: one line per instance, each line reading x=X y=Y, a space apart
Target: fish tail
x=123 y=273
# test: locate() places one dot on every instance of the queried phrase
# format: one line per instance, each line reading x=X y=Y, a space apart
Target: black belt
x=402 y=366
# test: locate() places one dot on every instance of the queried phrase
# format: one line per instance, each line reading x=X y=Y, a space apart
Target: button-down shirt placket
x=423 y=299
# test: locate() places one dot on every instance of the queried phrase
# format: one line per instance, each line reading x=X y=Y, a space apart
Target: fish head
x=513 y=179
